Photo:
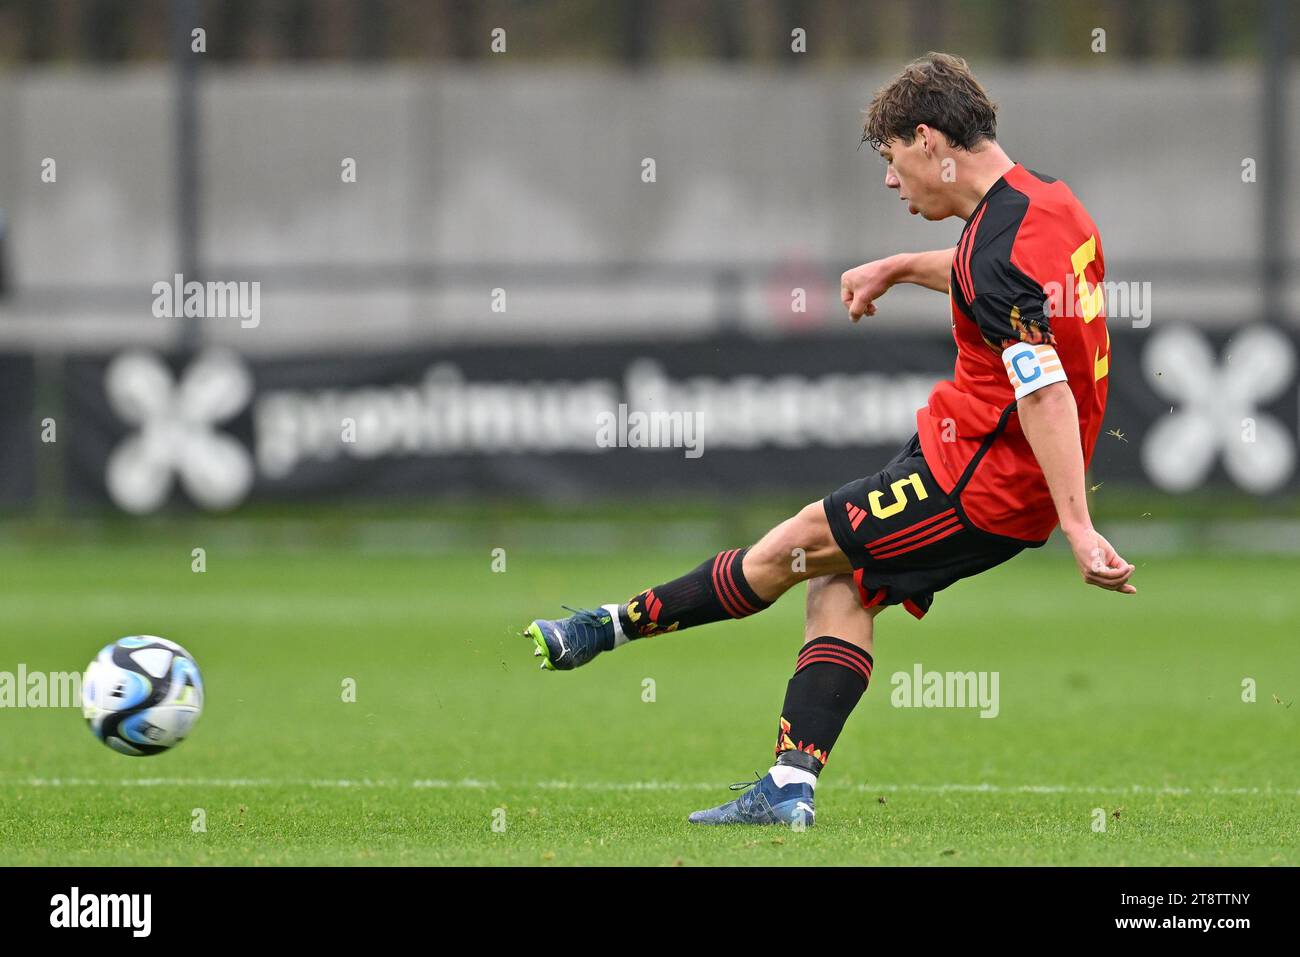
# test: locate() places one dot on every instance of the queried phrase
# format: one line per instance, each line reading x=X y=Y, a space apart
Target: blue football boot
x=763 y=803
x=566 y=643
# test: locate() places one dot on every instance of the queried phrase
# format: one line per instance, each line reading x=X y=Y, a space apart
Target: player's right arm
x=1009 y=308
x=862 y=285
x=1049 y=419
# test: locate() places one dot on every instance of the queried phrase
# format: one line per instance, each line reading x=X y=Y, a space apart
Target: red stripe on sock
x=734 y=598
x=719 y=589
x=725 y=587
x=860 y=665
x=862 y=672
x=737 y=596
x=853 y=654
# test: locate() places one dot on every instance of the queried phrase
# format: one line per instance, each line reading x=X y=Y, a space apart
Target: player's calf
x=735 y=583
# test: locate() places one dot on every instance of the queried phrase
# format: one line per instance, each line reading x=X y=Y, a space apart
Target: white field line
x=624 y=786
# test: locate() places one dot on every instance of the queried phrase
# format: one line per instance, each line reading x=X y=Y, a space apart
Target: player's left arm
x=1050 y=420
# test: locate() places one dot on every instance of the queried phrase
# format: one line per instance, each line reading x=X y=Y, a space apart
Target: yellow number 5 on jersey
x=1091 y=301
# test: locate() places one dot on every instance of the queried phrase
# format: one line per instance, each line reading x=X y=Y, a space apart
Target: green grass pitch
x=1133 y=706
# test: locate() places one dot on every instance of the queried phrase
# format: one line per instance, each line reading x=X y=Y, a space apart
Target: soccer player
x=999 y=455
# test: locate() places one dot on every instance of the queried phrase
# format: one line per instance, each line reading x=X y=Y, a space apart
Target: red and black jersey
x=1028 y=309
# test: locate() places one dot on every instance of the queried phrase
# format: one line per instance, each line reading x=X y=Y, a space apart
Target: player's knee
x=834 y=607
x=836 y=594
x=818 y=587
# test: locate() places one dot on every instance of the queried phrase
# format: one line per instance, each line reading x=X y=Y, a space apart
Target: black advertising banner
x=572 y=421
x=20 y=430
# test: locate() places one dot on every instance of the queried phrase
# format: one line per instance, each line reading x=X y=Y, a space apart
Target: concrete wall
x=531 y=181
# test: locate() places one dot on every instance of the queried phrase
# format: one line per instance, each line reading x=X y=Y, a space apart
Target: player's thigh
x=801 y=547
x=834 y=607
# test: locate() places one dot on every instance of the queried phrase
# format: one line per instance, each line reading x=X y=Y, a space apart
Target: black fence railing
x=641 y=32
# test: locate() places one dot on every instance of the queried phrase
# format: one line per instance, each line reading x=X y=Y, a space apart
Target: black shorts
x=906 y=537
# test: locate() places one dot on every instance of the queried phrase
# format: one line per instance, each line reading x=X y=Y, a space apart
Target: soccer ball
x=141 y=695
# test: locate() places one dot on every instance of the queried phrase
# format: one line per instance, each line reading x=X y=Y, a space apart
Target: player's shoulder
x=1024 y=194
x=1046 y=197
x=1031 y=224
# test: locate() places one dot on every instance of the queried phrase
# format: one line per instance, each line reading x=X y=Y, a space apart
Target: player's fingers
x=862 y=304
x=854 y=308
x=1124 y=569
x=1106 y=563
x=1107 y=574
x=1105 y=585
x=1106 y=577
x=1111 y=556
x=1122 y=586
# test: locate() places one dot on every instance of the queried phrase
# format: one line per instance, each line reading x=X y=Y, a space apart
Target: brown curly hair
x=938 y=90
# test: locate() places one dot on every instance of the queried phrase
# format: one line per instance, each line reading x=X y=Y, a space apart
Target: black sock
x=829 y=677
x=714 y=591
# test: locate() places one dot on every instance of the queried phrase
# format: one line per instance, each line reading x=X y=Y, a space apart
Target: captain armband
x=1030 y=367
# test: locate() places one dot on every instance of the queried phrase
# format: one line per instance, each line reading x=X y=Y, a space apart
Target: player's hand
x=862 y=285
x=1100 y=564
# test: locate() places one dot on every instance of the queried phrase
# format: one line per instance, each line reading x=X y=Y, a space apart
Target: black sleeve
x=1009 y=307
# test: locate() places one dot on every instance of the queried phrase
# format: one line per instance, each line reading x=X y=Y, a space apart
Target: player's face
x=915 y=174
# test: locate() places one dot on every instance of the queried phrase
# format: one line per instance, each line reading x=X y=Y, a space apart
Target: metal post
x=185 y=17
x=1273 y=161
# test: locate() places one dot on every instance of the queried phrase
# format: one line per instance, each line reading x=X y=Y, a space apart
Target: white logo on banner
x=176 y=435
x=1215 y=409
